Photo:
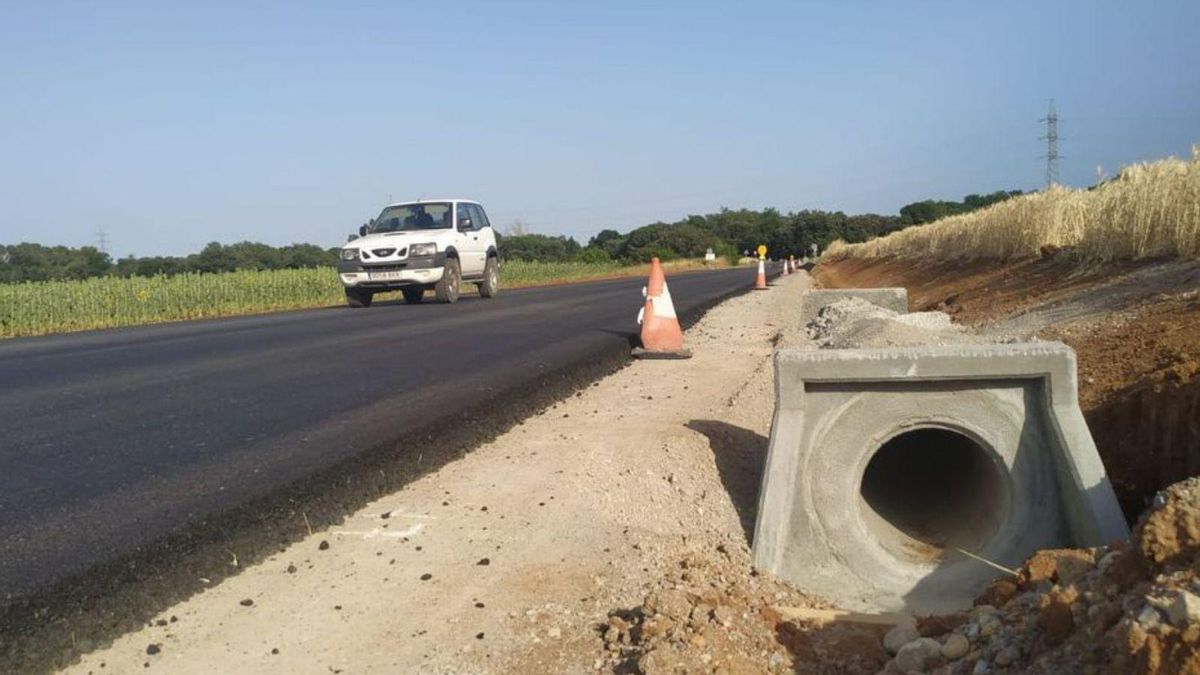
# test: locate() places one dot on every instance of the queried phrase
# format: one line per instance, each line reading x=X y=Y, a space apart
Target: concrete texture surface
x=895 y=299
x=884 y=462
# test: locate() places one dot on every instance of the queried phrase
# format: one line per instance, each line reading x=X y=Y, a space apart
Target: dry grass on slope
x=1150 y=210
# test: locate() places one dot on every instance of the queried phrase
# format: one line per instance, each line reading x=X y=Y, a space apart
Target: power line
x=1051 y=138
x=101 y=240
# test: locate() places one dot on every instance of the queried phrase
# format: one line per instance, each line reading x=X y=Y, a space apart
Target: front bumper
x=408 y=272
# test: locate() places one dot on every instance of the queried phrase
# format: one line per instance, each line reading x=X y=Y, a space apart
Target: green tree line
x=729 y=233
x=34 y=262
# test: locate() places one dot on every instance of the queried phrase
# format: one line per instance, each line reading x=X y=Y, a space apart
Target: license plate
x=384 y=276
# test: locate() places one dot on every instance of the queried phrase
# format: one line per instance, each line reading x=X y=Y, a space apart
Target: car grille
x=385 y=268
x=383 y=252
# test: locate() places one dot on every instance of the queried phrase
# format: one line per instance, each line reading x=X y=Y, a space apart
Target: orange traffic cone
x=760 y=284
x=661 y=336
x=786 y=269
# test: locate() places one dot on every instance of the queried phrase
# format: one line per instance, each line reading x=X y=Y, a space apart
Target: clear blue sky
x=172 y=127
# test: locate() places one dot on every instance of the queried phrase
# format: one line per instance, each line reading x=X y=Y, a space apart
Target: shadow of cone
x=661 y=336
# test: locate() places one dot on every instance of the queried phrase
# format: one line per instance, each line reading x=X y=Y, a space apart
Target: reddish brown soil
x=1134 y=326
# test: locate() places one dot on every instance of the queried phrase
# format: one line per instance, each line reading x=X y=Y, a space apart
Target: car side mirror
x=362 y=230
x=352 y=237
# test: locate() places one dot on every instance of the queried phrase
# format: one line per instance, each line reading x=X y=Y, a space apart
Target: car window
x=407 y=217
x=481 y=221
x=464 y=213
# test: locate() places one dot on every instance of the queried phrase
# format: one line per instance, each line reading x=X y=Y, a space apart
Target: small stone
x=291 y=569
x=479 y=636
x=323 y=546
x=956 y=647
x=274 y=650
x=1005 y=657
x=1149 y=617
x=426 y=577
x=913 y=656
x=247 y=602
x=901 y=635
x=989 y=624
x=153 y=649
x=484 y=562
x=1183 y=607
x=981 y=667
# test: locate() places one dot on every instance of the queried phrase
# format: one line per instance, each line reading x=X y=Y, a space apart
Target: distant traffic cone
x=760 y=284
x=786 y=269
x=661 y=335
x=792 y=262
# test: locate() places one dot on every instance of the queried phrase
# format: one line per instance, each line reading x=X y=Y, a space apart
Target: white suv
x=415 y=246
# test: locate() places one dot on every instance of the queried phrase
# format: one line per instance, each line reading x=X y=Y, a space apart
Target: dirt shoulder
x=512 y=558
x=1135 y=328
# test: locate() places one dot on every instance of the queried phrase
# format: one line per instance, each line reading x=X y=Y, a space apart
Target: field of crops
x=108 y=302
x=1148 y=211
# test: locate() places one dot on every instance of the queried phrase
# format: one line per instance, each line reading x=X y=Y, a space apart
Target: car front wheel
x=446 y=289
x=490 y=286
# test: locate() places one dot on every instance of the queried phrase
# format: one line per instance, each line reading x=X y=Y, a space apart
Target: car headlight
x=349 y=254
x=423 y=249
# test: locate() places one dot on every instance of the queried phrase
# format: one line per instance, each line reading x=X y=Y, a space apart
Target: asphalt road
x=110 y=440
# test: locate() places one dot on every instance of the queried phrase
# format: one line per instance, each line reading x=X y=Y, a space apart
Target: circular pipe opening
x=930 y=489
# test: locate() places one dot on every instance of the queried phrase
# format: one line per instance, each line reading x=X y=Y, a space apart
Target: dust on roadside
x=513 y=557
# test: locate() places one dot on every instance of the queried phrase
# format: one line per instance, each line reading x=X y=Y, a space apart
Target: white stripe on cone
x=663 y=307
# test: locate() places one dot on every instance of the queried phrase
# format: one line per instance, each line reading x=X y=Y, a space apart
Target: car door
x=486 y=234
x=472 y=248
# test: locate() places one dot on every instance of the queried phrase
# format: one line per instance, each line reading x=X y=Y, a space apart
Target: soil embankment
x=1134 y=326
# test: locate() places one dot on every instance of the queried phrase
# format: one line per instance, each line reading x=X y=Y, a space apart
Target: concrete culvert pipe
x=928 y=489
x=883 y=462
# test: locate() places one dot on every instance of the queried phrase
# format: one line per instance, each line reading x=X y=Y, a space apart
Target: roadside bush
x=593 y=254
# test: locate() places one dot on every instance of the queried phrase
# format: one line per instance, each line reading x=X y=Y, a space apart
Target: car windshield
x=408 y=217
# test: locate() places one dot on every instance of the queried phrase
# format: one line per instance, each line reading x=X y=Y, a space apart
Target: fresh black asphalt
x=110 y=440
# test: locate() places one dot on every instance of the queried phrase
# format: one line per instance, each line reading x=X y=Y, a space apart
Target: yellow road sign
x=762 y=250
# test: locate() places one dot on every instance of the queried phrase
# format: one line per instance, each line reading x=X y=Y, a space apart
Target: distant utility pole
x=101 y=240
x=1051 y=138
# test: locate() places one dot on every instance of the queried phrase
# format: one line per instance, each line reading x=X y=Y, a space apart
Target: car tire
x=447 y=287
x=413 y=294
x=490 y=286
x=356 y=298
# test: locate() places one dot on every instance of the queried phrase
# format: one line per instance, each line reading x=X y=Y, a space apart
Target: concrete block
x=895 y=299
x=884 y=462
